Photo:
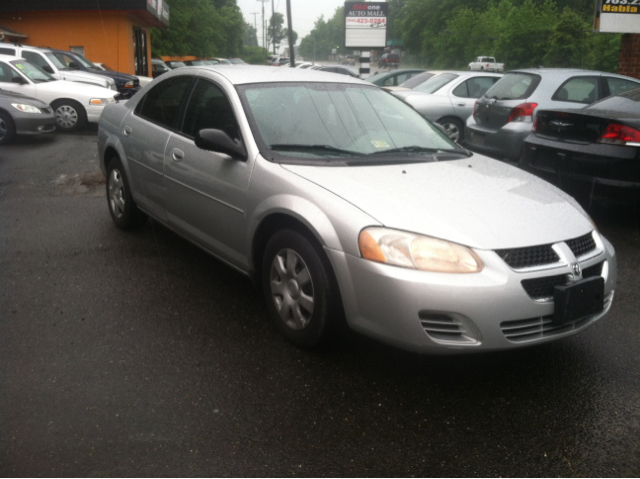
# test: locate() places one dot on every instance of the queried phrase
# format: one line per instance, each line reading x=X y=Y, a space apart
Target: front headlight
x=409 y=250
x=100 y=101
x=129 y=84
x=113 y=86
x=26 y=108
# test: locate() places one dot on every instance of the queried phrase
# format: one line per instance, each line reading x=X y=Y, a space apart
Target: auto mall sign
x=365 y=24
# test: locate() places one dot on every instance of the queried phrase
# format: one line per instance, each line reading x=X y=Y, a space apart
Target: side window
x=35 y=58
x=579 y=90
x=389 y=81
x=209 y=108
x=162 y=103
x=8 y=51
x=619 y=85
x=462 y=90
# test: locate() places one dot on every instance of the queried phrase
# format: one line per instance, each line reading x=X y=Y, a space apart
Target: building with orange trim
x=114 y=32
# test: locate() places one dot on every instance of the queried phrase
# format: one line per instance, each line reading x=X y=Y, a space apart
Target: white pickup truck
x=486 y=64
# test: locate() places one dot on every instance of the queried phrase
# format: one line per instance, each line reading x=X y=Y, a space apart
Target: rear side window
x=162 y=103
x=620 y=85
x=514 y=86
x=474 y=87
x=8 y=51
x=578 y=90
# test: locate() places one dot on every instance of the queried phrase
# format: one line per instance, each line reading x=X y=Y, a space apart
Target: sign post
x=365 y=29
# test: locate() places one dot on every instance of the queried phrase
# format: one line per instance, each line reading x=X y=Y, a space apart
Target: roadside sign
x=617 y=16
x=365 y=24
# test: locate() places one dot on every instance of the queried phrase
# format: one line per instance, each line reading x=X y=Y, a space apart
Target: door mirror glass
x=218 y=141
x=47 y=68
x=19 y=80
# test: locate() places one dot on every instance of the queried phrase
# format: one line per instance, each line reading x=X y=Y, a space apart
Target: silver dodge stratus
x=343 y=203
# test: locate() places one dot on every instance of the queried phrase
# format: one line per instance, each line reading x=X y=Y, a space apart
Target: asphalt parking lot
x=136 y=354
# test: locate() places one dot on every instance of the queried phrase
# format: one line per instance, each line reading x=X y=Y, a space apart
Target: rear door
x=494 y=109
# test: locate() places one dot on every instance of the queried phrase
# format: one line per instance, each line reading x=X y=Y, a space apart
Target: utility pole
x=273 y=28
x=264 y=35
x=255 y=24
x=292 y=53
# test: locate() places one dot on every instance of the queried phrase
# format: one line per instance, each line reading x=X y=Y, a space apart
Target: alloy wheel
x=116 y=193
x=292 y=289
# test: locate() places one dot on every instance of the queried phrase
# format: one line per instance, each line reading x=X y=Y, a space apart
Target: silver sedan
x=448 y=98
x=346 y=205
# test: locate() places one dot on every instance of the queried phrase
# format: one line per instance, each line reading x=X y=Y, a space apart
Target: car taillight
x=617 y=134
x=523 y=112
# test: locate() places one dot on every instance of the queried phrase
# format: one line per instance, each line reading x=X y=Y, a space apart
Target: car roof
x=8 y=58
x=563 y=72
x=265 y=74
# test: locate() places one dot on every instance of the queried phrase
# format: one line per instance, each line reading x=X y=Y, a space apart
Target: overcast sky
x=305 y=13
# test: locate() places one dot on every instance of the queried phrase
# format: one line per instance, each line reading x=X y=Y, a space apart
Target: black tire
x=7 y=128
x=69 y=115
x=295 y=270
x=124 y=211
x=453 y=127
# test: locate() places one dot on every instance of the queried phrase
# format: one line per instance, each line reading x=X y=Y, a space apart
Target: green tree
x=249 y=36
x=568 y=42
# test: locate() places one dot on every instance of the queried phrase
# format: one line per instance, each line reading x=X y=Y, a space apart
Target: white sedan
x=73 y=103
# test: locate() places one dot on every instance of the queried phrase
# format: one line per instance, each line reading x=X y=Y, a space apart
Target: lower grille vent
x=521 y=330
x=542 y=288
x=443 y=328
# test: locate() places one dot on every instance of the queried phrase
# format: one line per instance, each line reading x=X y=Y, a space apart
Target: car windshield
x=33 y=72
x=435 y=83
x=628 y=102
x=320 y=120
x=83 y=61
x=107 y=67
x=514 y=86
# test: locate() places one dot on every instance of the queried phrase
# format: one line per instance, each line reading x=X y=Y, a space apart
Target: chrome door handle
x=127 y=130
x=462 y=104
x=177 y=155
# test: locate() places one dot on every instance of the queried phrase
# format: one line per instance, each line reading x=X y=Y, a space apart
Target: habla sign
x=617 y=16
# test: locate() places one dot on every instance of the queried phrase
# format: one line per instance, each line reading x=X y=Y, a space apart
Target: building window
x=79 y=50
x=140 y=51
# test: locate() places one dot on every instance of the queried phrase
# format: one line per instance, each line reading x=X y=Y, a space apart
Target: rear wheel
x=453 y=127
x=69 y=115
x=299 y=289
x=7 y=128
x=124 y=211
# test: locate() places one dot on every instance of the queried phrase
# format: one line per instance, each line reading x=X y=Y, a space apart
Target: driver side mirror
x=218 y=141
x=73 y=66
x=47 y=68
x=19 y=80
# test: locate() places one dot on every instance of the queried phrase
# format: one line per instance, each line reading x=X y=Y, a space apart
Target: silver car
x=448 y=98
x=345 y=204
x=23 y=115
x=503 y=117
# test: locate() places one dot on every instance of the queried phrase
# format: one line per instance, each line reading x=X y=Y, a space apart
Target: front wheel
x=69 y=115
x=7 y=128
x=299 y=289
x=453 y=127
x=124 y=211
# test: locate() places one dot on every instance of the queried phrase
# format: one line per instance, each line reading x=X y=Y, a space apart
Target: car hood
x=20 y=97
x=71 y=89
x=85 y=77
x=477 y=201
x=117 y=76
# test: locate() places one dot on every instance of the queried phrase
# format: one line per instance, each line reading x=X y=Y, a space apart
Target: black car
x=127 y=84
x=594 y=151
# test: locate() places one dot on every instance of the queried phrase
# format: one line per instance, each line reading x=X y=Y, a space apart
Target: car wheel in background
x=123 y=209
x=7 y=128
x=453 y=127
x=299 y=289
x=70 y=115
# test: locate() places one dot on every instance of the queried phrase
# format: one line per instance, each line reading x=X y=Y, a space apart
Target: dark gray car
x=23 y=115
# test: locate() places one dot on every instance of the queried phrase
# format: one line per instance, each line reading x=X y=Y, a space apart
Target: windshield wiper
x=421 y=149
x=327 y=148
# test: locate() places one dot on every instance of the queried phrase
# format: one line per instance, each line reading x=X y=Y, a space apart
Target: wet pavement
x=136 y=354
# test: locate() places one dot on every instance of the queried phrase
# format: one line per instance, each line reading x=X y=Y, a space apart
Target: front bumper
x=448 y=313
x=506 y=142
x=34 y=124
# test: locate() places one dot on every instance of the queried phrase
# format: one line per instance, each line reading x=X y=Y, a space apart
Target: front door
x=206 y=191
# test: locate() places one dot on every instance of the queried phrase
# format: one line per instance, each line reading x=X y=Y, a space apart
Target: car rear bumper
x=506 y=142
x=449 y=313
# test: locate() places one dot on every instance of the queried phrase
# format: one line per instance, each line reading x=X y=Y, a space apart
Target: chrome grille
x=528 y=257
x=521 y=330
x=441 y=327
x=582 y=245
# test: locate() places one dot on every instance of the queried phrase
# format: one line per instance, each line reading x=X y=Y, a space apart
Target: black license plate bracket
x=579 y=300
